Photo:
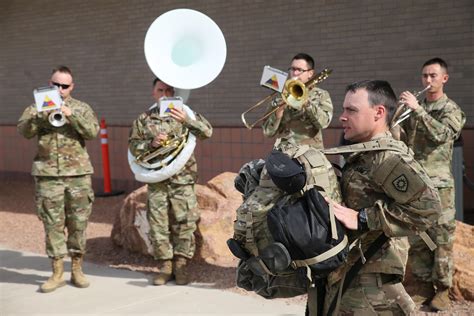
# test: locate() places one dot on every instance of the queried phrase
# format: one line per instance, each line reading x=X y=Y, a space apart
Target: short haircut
x=437 y=61
x=63 y=69
x=159 y=80
x=380 y=92
x=309 y=60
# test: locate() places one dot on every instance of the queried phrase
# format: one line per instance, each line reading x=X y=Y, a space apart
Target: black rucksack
x=307 y=246
x=304 y=227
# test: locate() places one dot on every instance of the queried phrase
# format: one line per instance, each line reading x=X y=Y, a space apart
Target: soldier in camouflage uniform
x=431 y=131
x=302 y=126
x=62 y=172
x=385 y=191
x=172 y=209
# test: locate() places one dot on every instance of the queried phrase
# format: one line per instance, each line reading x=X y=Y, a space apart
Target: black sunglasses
x=60 y=85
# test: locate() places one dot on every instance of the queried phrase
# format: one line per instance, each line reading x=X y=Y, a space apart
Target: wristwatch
x=362 y=221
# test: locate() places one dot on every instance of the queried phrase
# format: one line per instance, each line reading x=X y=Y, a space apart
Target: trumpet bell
x=185 y=48
x=57 y=118
x=295 y=93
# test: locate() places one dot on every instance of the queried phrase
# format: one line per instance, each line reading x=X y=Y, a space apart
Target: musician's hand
x=66 y=110
x=43 y=115
x=279 y=112
x=409 y=99
x=179 y=115
x=161 y=137
x=347 y=216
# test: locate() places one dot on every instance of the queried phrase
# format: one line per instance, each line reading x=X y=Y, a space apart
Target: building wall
x=102 y=41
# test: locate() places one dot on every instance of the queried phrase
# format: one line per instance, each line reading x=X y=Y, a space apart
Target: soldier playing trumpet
x=62 y=172
x=430 y=131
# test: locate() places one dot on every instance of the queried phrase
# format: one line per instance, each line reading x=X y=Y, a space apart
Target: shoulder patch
x=401 y=183
x=399 y=179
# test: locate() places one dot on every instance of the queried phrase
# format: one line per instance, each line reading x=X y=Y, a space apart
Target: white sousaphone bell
x=185 y=49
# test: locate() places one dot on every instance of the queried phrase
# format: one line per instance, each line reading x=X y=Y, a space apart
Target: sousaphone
x=185 y=49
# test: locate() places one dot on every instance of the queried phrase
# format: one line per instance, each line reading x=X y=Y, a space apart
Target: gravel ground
x=22 y=230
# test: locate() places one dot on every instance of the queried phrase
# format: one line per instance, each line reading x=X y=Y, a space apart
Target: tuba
x=187 y=50
x=295 y=94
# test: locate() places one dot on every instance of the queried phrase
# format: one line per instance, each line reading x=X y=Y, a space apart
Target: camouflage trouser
x=172 y=210
x=64 y=202
x=369 y=295
x=436 y=266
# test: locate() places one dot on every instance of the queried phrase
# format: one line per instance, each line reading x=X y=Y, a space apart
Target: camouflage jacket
x=61 y=150
x=150 y=124
x=430 y=132
x=302 y=126
x=398 y=197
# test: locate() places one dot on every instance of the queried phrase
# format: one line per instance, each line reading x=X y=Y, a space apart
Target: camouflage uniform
x=399 y=200
x=172 y=203
x=431 y=131
x=62 y=170
x=302 y=126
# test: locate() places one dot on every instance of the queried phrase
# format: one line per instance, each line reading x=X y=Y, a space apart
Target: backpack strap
x=332 y=220
x=428 y=241
x=324 y=256
x=373 y=145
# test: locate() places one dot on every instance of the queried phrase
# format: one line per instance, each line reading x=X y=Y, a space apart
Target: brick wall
x=102 y=41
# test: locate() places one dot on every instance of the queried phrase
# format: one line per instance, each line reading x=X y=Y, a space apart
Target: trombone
x=295 y=94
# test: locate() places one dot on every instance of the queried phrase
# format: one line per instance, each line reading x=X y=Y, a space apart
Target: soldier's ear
x=380 y=112
x=445 y=78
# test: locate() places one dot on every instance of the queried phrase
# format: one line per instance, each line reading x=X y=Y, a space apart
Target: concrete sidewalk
x=117 y=292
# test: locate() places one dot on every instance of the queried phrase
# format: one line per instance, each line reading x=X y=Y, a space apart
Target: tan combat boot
x=441 y=301
x=77 y=277
x=165 y=274
x=180 y=270
x=56 y=280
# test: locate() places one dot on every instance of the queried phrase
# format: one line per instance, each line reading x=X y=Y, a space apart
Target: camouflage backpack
x=268 y=263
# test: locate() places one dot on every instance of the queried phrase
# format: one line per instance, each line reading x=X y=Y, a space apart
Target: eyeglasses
x=60 y=85
x=295 y=69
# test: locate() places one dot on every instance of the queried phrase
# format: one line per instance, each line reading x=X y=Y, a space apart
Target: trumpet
x=295 y=94
x=57 y=118
x=397 y=117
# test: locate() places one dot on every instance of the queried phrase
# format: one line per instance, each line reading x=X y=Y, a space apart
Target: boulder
x=217 y=201
x=463 y=277
x=130 y=229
